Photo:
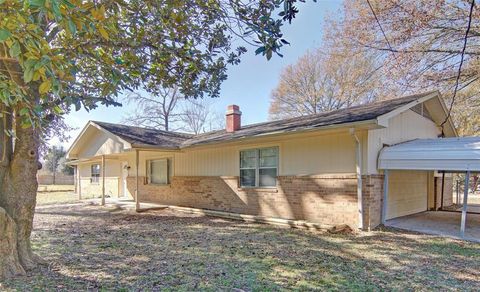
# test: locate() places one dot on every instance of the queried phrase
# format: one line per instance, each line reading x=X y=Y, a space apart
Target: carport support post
x=103 y=180
x=465 y=201
x=137 y=163
x=385 y=196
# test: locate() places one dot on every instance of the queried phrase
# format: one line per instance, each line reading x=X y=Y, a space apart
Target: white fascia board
x=75 y=142
x=126 y=144
x=383 y=119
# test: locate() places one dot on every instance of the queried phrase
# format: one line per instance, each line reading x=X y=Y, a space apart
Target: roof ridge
x=411 y=96
x=358 y=113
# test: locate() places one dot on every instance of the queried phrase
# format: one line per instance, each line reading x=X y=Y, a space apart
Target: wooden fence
x=60 y=179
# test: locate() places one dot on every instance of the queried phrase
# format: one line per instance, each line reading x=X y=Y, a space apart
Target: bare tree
x=424 y=45
x=155 y=111
x=331 y=77
x=198 y=116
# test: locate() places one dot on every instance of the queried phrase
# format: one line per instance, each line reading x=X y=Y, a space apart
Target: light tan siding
x=112 y=179
x=318 y=155
x=407 y=193
x=100 y=143
x=302 y=155
x=403 y=127
x=216 y=161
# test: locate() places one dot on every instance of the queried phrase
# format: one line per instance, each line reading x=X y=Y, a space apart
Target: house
x=319 y=168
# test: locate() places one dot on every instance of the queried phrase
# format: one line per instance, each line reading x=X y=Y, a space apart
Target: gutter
x=358 y=155
x=346 y=126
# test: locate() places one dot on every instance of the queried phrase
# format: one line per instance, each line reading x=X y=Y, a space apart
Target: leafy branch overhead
x=58 y=53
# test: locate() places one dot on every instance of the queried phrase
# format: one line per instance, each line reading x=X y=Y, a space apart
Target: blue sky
x=249 y=84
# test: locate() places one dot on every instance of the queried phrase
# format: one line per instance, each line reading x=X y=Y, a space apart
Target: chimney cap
x=233 y=109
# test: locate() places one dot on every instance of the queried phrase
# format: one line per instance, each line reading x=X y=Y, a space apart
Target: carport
x=444 y=155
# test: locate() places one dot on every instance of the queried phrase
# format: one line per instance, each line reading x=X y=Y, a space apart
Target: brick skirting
x=323 y=199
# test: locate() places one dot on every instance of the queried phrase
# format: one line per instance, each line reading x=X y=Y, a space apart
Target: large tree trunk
x=18 y=190
x=18 y=181
x=9 y=261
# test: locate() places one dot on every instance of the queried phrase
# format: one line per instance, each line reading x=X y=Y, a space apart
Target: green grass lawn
x=109 y=249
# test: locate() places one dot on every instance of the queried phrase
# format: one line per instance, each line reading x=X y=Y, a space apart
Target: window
x=259 y=167
x=95 y=173
x=158 y=171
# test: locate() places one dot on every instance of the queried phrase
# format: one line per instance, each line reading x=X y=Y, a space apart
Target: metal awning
x=461 y=154
x=448 y=154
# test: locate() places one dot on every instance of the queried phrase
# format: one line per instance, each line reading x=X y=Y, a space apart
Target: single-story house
x=320 y=168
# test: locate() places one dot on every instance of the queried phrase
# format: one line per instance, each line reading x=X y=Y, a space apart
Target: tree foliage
x=421 y=45
x=55 y=161
x=84 y=53
x=333 y=76
x=55 y=54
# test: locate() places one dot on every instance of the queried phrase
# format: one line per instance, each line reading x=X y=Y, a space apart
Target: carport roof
x=449 y=154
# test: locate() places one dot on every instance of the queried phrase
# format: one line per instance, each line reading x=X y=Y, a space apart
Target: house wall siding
x=447 y=191
x=99 y=143
x=112 y=179
x=303 y=155
x=407 y=193
x=403 y=127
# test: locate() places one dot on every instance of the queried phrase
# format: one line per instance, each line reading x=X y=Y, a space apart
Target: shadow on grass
x=92 y=248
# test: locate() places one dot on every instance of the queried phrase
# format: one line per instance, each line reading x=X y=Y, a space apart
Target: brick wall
x=372 y=200
x=325 y=199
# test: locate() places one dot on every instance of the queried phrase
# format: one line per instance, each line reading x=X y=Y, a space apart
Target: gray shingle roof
x=145 y=136
x=163 y=139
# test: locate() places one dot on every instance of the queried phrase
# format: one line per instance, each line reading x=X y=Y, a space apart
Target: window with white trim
x=95 y=173
x=259 y=167
x=158 y=171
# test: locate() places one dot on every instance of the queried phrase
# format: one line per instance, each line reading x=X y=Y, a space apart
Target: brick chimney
x=233 y=118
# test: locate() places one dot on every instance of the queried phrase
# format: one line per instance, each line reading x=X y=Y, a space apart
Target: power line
x=380 y=25
x=388 y=42
x=457 y=81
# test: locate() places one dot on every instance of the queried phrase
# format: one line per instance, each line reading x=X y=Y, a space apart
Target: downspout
x=358 y=158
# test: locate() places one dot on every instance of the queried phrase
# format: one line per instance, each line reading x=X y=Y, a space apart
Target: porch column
x=137 y=163
x=385 y=196
x=79 y=183
x=103 y=180
x=75 y=180
x=465 y=201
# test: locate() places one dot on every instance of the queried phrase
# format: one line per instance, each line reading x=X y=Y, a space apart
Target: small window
x=95 y=173
x=259 y=167
x=158 y=171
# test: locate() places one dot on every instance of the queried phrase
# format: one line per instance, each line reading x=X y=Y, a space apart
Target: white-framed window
x=259 y=167
x=158 y=171
x=95 y=173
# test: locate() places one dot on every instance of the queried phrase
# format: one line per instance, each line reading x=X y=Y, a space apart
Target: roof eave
x=383 y=119
x=69 y=155
x=153 y=147
x=357 y=124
